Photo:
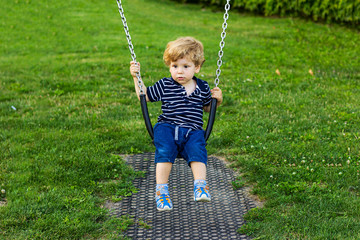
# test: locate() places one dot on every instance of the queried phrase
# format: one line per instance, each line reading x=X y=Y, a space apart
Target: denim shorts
x=171 y=140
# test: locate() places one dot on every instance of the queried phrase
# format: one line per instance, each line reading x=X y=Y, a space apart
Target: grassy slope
x=64 y=67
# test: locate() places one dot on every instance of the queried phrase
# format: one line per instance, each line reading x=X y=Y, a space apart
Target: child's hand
x=217 y=94
x=134 y=68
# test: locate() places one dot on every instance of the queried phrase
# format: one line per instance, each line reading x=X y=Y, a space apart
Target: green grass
x=64 y=68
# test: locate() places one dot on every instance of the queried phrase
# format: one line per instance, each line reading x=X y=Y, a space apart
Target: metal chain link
x=131 y=46
x=222 y=43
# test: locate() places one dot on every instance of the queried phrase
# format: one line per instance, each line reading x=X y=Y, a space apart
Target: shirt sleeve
x=207 y=95
x=156 y=92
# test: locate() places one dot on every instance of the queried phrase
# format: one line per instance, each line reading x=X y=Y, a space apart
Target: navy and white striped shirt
x=177 y=107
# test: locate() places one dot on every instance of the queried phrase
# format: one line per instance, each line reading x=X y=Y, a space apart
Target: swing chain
x=131 y=46
x=222 y=43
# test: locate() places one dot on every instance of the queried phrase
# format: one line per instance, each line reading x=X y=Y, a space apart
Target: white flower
x=294 y=173
x=271 y=176
x=340 y=173
x=312 y=170
x=3 y=191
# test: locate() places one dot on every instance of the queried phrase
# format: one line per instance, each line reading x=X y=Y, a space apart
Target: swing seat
x=149 y=126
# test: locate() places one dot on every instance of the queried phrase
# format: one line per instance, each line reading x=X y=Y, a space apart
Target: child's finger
x=135 y=63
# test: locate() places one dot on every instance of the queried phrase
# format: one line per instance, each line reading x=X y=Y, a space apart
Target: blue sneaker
x=163 y=202
x=201 y=194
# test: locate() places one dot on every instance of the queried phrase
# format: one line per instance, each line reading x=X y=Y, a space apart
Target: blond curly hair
x=182 y=47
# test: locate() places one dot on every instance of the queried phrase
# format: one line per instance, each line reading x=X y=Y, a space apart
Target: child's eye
x=186 y=66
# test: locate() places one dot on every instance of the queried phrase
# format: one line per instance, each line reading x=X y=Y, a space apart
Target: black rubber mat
x=218 y=219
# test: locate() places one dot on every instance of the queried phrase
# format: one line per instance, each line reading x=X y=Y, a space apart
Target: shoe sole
x=202 y=199
x=164 y=209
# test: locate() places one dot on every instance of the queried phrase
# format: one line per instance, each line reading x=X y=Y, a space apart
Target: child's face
x=183 y=70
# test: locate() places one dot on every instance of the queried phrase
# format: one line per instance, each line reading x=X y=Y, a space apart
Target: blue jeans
x=171 y=140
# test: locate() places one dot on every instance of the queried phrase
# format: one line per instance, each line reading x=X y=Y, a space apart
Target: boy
x=179 y=129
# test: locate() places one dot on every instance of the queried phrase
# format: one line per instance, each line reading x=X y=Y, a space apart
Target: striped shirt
x=177 y=107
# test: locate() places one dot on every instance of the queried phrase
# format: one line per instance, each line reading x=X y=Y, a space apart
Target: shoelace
x=202 y=190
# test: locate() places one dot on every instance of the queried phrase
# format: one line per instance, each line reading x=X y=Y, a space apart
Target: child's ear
x=197 y=69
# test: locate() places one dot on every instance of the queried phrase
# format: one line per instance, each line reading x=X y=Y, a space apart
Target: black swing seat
x=149 y=126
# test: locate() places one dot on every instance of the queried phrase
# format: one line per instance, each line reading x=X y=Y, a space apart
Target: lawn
x=289 y=122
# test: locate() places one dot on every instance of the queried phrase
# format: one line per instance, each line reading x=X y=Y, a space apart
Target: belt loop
x=176 y=133
x=187 y=134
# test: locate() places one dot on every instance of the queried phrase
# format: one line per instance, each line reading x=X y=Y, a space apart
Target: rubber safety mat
x=218 y=219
